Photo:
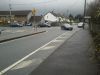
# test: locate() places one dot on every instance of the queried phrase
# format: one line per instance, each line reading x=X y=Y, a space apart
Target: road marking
x=62 y=37
x=23 y=64
x=27 y=64
x=20 y=30
x=58 y=40
x=27 y=56
x=48 y=47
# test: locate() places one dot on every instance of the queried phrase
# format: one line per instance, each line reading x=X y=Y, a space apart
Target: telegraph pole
x=10 y=8
x=84 y=14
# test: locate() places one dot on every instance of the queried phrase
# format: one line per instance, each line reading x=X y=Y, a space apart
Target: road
x=12 y=30
x=71 y=58
x=12 y=51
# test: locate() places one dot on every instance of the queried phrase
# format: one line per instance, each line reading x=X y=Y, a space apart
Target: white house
x=50 y=17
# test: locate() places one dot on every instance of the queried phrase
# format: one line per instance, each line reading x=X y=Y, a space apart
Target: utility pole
x=84 y=14
x=10 y=12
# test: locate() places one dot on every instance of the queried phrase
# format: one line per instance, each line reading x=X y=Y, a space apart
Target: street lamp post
x=84 y=14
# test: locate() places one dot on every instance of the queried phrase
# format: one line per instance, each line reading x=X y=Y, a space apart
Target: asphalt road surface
x=71 y=58
x=12 y=51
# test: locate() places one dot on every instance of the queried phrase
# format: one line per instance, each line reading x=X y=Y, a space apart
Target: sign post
x=34 y=12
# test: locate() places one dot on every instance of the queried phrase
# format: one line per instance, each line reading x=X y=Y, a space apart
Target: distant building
x=53 y=17
x=35 y=18
x=18 y=15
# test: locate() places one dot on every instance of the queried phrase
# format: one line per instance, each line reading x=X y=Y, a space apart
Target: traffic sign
x=34 y=11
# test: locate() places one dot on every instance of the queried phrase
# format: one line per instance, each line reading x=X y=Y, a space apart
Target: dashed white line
x=58 y=40
x=48 y=47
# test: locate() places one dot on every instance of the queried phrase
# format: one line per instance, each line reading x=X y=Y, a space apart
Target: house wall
x=50 y=17
x=35 y=19
x=20 y=18
x=4 y=19
x=21 y=15
x=29 y=16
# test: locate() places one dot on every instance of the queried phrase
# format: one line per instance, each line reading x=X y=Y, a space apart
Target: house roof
x=56 y=14
x=17 y=12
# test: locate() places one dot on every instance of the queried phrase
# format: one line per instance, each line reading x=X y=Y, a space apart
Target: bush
x=97 y=45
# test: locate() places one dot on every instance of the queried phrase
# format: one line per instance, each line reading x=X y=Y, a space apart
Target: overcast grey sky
x=43 y=6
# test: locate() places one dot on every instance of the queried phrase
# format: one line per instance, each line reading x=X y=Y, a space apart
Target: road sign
x=34 y=11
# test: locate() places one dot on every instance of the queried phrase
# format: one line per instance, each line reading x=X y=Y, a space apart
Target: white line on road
x=27 y=56
x=48 y=47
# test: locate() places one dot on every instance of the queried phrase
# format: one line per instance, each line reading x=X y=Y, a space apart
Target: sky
x=43 y=6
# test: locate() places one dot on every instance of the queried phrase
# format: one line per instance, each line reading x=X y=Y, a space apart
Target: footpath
x=71 y=58
x=4 y=38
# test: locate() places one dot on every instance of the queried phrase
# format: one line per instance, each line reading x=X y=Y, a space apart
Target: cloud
x=45 y=5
